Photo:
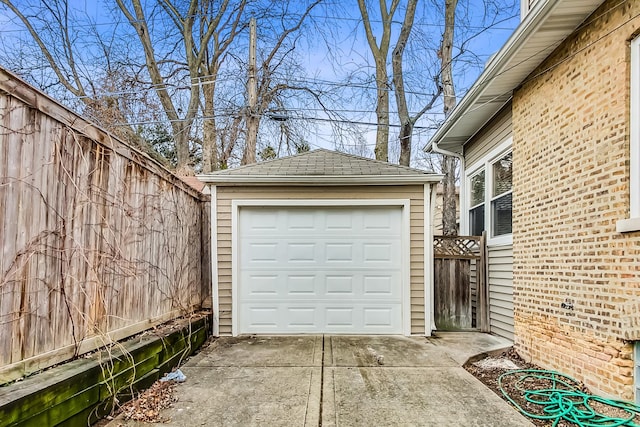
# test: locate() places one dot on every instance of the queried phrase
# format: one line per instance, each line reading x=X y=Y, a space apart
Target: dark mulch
x=489 y=376
x=149 y=403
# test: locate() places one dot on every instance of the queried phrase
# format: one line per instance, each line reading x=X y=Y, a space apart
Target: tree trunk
x=382 y=113
x=181 y=136
x=380 y=53
x=406 y=121
x=210 y=161
x=406 y=129
x=449 y=198
x=449 y=226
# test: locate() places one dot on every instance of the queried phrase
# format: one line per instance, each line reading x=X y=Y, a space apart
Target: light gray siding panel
x=501 y=290
x=496 y=131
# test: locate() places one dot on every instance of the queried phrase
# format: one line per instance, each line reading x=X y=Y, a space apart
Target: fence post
x=483 y=288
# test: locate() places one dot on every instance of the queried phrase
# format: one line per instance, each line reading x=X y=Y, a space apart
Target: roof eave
x=494 y=70
x=333 y=180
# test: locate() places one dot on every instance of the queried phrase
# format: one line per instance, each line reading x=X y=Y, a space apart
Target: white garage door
x=320 y=270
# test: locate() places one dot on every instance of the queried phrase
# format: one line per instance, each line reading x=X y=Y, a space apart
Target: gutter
x=534 y=19
x=312 y=180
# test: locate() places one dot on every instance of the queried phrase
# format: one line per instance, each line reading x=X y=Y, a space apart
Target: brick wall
x=571 y=185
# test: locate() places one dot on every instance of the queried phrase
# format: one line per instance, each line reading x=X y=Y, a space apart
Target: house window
x=476 y=212
x=633 y=222
x=489 y=195
x=501 y=196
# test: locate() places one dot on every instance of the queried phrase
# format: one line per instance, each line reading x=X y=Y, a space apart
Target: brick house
x=549 y=136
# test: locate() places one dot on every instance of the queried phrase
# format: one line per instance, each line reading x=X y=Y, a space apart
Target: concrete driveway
x=336 y=381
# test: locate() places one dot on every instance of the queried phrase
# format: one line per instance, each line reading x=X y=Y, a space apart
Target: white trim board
x=632 y=223
x=429 y=204
x=310 y=203
x=215 y=303
x=484 y=163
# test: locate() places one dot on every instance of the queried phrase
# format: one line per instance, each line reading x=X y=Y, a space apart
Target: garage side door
x=320 y=270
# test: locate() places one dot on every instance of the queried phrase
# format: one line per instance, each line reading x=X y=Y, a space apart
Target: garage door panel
x=263 y=284
x=338 y=253
x=380 y=286
x=377 y=252
x=302 y=317
x=340 y=317
x=340 y=221
x=339 y=285
x=300 y=285
x=321 y=318
x=378 y=317
x=257 y=252
x=378 y=220
x=275 y=221
x=323 y=253
x=301 y=220
x=302 y=252
x=320 y=270
x=264 y=317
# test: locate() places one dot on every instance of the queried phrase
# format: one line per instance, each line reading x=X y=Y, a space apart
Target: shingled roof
x=321 y=167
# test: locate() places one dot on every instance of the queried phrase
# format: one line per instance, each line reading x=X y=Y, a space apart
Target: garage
x=320 y=269
x=321 y=242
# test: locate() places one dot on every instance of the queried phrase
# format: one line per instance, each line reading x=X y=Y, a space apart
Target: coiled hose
x=559 y=398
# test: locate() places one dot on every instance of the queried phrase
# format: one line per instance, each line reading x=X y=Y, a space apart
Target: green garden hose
x=560 y=398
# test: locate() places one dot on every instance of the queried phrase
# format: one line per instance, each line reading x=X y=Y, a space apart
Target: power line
x=309 y=118
x=290 y=15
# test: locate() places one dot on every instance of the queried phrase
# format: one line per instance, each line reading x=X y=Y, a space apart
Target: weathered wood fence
x=461 y=301
x=98 y=241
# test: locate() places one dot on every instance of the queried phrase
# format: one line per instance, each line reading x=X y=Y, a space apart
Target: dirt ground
x=489 y=369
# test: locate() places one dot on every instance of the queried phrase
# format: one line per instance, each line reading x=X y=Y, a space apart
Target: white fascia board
x=320 y=180
x=541 y=10
x=500 y=63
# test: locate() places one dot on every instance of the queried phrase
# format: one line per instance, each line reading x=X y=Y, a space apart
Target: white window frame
x=470 y=177
x=633 y=222
x=486 y=163
x=636 y=373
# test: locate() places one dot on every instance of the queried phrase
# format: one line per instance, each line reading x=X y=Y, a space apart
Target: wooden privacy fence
x=461 y=295
x=99 y=242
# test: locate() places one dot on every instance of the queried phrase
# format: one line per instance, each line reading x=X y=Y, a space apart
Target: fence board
x=98 y=240
x=460 y=300
x=453 y=295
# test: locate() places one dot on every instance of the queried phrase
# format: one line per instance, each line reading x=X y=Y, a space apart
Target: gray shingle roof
x=322 y=165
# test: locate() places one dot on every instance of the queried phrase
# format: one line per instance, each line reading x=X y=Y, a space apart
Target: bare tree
x=380 y=54
x=224 y=27
x=449 y=226
x=269 y=88
x=407 y=121
x=70 y=56
x=181 y=121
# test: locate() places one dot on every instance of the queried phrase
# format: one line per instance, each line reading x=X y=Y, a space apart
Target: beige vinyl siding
x=501 y=290
x=500 y=261
x=496 y=132
x=414 y=193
